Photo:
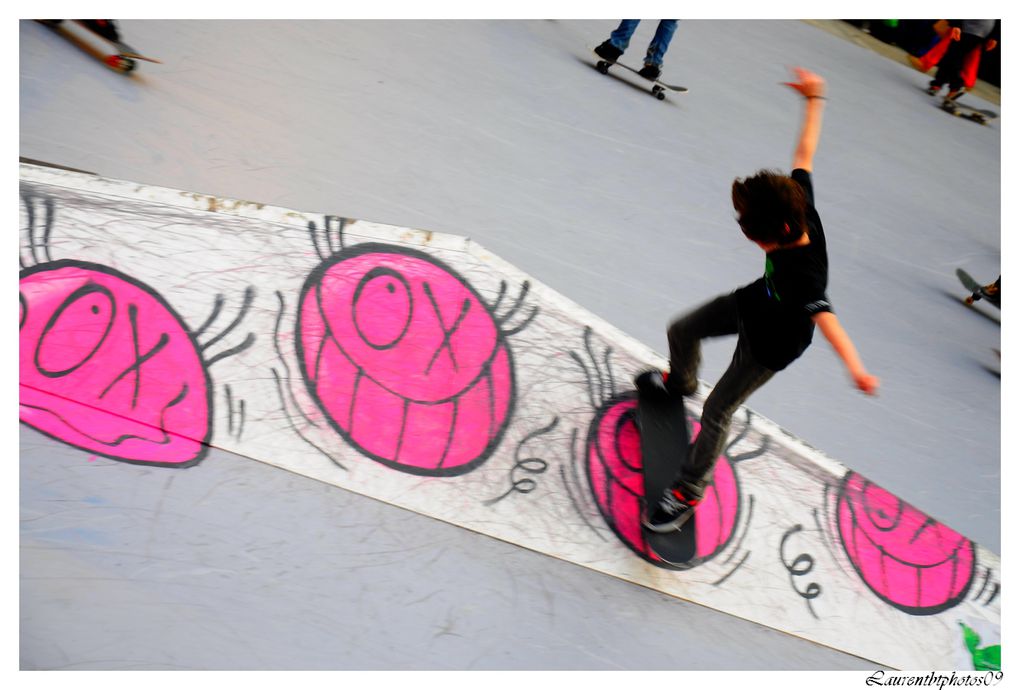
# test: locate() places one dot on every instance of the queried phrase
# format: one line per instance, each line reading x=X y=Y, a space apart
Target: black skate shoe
x=650 y=71
x=991 y=293
x=669 y=512
x=652 y=384
x=607 y=51
x=104 y=27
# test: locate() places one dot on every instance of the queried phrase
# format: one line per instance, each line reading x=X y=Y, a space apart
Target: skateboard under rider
x=665 y=440
x=658 y=90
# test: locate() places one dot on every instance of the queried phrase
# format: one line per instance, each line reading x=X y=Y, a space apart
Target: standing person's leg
x=743 y=377
x=966 y=44
x=660 y=42
x=612 y=48
x=620 y=38
x=950 y=63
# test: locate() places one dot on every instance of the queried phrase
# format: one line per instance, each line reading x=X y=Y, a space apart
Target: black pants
x=951 y=64
x=743 y=377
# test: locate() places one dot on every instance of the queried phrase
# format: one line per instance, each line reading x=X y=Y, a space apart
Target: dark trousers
x=951 y=64
x=743 y=377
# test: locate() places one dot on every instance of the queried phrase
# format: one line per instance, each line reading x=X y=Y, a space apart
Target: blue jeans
x=660 y=42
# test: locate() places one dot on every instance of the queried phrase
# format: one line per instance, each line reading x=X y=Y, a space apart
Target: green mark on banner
x=985 y=658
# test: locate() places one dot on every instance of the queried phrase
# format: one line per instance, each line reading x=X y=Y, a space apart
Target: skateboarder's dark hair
x=771 y=207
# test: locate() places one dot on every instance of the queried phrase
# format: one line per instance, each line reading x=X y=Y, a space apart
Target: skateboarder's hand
x=808 y=84
x=866 y=382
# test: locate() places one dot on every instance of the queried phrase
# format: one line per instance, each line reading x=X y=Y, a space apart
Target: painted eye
x=75 y=331
x=382 y=308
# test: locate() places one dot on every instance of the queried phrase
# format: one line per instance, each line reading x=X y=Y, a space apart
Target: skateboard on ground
x=665 y=440
x=967 y=112
x=123 y=60
x=658 y=90
x=977 y=291
x=979 y=115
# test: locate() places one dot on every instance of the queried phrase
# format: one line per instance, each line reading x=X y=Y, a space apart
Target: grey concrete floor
x=503 y=131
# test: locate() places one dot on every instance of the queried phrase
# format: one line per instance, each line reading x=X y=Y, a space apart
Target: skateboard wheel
x=121 y=64
x=602 y=67
x=661 y=96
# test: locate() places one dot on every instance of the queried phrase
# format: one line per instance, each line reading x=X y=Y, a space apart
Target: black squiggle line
x=313 y=233
x=587 y=378
x=283 y=360
x=577 y=507
x=524 y=324
x=993 y=595
x=249 y=296
x=747 y=528
x=525 y=288
x=290 y=421
x=499 y=298
x=609 y=371
x=341 y=224
x=217 y=306
x=240 y=428
x=984 y=583
x=50 y=213
x=594 y=361
x=248 y=342
x=531 y=465
x=747 y=554
x=576 y=486
x=801 y=565
x=230 y=409
x=30 y=210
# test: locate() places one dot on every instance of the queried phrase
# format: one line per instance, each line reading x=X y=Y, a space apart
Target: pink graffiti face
x=405 y=359
x=905 y=557
x=107 y=366
x=614 y=471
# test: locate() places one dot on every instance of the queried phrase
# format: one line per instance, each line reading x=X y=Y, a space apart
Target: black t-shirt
x=775 y=310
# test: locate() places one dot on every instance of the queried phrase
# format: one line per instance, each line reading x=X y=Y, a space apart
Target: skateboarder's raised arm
x=812 y=87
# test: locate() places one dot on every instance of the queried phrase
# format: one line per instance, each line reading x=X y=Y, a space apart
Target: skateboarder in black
x=612 y=48
x=773 y=317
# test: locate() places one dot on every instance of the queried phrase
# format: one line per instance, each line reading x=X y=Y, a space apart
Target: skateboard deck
x=658 y=90
x=974 y=287
x=979 y=115
x=664 y=442
x=123 y=60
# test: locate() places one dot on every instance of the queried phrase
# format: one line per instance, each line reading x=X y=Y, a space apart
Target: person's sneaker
x=669 y=513
x=652 y=384
x=650 y=71
x=608 y=51
x=933 y=89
